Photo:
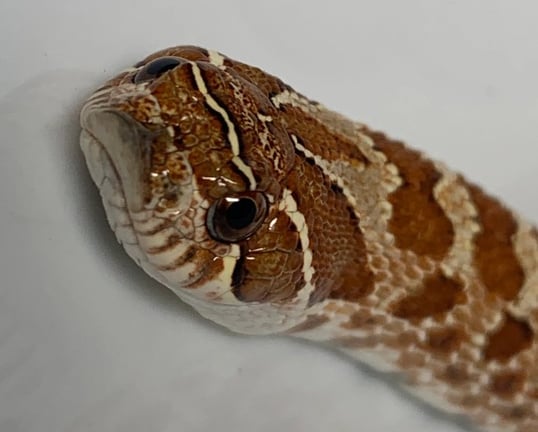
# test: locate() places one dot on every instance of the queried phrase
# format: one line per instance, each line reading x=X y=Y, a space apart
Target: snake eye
x=235 y=218
x=155 y=68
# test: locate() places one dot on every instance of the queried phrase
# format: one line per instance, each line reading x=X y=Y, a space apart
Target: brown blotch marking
x=512 y=337
x=445 y=340
x=494 y=257
x=311 y=322
x=418 y=222
x=506 y=384
x=439 y=294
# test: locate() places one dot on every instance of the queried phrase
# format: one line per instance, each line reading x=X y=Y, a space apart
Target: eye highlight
x=157 y=67
x=235 y=218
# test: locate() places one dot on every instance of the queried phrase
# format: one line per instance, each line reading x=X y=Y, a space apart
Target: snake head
x=191 y=159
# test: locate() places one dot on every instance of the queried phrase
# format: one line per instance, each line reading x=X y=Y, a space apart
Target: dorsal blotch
x=495 y=258
x=438 y=294
x=510 y=338
x=418 y=222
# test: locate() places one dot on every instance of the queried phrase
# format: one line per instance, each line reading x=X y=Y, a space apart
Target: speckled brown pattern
x=365 y=244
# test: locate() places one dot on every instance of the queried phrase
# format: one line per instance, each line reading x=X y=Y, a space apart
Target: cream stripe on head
x=233 y=138
x=289 y=206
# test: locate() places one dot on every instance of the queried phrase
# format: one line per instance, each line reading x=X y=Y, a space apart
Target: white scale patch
x=216 y=58
x=526 y=249
x=232 y=134
x=289 y=206
x=457 y=205
x=294 y=99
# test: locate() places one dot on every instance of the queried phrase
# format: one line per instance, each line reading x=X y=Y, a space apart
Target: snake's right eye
x=155 y=68
x=235 y=218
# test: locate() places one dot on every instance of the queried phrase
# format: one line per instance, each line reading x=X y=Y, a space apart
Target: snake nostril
x=156 y=68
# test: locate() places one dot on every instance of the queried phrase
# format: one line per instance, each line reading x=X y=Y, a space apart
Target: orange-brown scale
x=270 y=268
x=337 y=244
x=495 y=258
x=418 y=222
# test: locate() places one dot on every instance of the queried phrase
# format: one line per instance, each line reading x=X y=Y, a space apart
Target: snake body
x=269 y=213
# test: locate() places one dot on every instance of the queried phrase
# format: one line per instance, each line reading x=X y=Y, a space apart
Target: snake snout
x=122 y=140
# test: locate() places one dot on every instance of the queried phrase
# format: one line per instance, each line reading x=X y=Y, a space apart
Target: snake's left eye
x=235 y=218
x=155 y=68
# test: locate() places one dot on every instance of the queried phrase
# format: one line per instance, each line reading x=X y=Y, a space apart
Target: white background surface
x=87 y=341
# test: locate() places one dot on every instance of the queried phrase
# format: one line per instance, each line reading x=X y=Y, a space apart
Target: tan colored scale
x=363 y=243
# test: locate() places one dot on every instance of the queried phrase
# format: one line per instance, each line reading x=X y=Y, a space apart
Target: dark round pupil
x=241 y=214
